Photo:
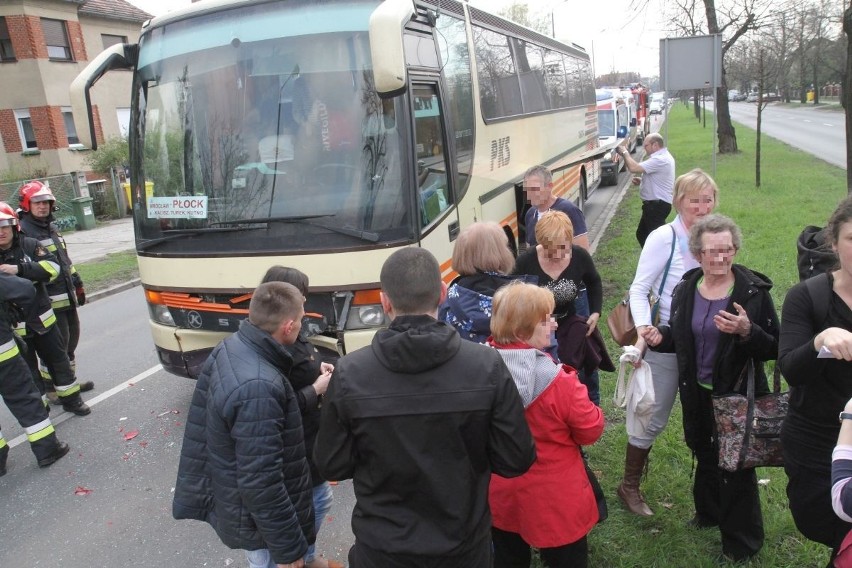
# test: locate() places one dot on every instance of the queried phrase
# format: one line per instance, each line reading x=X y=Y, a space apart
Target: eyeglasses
x=726 y=252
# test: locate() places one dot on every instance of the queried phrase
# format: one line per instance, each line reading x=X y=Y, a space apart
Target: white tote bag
x=638 y=396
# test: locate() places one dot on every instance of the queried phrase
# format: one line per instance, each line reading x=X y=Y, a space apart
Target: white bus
x=323 y=136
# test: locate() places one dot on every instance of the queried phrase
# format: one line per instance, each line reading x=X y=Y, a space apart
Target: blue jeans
x=260 y=559
x=322 y=504
x=591 y=380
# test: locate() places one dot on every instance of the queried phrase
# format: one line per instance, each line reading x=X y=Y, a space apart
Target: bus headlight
x=362 y=317
x=161 y=314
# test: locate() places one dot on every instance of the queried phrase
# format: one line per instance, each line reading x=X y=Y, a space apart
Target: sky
x=618 y=38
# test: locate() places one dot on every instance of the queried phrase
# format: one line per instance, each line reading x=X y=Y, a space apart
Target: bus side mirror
x=118 y=56
x=387 y=23
x=622 y=132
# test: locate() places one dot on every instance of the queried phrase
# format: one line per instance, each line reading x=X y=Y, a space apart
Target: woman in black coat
x=722 y=318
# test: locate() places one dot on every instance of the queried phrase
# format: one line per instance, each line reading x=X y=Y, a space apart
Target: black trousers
x=511 y=551
x=51 y=350
x=654 y=215
x=729 y=499
x=807 y=463
x=68 y=324
x=23 y=401
x=361 y=556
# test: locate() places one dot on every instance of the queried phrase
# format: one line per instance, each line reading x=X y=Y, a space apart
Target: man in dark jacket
x=419 y=421
x=242 y=466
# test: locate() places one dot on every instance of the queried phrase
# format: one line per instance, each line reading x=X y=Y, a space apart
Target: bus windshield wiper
x=345 y=230
x=172 y=234
x=259 y=220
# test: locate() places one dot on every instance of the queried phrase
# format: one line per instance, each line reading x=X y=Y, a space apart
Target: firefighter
x=17 y=302
x=25 y=257
x=67 y=291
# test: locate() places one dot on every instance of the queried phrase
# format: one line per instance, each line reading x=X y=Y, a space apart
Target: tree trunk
x=727 y=134
x=697 y=104
x=759 y=118
x=846 y=98
x=816 y=83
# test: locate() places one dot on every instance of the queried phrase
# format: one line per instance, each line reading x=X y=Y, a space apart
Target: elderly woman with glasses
x=722 y=320
x=552 y=507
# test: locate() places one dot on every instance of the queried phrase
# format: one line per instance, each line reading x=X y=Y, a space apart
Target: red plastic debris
x=82 y=490
x=143 y=444
x=130 y=435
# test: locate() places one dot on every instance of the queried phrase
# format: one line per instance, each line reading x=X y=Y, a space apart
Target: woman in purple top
x=722 y=317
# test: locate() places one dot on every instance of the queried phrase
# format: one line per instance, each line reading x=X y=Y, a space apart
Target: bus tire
x=582 y=189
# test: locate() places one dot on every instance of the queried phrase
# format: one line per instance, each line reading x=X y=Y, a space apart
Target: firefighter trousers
x=50 y=348
x=23 y=401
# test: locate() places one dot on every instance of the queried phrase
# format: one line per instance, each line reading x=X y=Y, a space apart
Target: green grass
x=797 y=190
x=114 y=269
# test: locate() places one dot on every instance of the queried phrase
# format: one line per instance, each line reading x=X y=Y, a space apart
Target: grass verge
x=797 y=189
x=114 y=269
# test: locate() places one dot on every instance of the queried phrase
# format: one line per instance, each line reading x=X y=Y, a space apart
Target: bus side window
x=433 y=189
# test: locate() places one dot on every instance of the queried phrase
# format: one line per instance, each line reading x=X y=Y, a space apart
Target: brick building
x=44 y=44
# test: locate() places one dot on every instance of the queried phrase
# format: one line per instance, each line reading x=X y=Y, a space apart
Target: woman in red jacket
x=552 y=506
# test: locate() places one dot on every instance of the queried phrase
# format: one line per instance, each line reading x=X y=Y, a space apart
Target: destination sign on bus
x=178 y=207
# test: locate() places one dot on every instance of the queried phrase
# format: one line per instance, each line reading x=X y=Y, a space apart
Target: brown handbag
x=620 y=323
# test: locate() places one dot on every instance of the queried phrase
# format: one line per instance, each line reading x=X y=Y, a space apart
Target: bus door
x=435 y=195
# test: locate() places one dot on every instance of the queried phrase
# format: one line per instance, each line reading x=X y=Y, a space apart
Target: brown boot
x=628 y=491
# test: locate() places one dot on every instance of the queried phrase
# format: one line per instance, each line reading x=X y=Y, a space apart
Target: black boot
x=86 y=386
x=4 y=455
x=77 y=407
x=58 y=453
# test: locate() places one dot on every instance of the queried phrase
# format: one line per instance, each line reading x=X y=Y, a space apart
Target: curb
x=604 y=219
x=95 y=296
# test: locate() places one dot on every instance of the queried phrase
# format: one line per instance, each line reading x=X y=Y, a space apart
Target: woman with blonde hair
x=482 y=259
x=565 y=268
x=552 y=507
x=664 y=260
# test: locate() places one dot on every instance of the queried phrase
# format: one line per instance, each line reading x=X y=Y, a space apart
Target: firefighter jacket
x=17 y=302
x=63 y=290
x=38 y=265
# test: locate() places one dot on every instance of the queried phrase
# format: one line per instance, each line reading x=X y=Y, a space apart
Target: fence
x=62 y=186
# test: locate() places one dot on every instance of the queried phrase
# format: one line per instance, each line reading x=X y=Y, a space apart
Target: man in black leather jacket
x=420 y=420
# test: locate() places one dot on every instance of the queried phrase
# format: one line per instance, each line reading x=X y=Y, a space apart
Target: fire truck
x=641 y=101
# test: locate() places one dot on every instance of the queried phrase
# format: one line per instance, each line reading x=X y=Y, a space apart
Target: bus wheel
x=581 y=191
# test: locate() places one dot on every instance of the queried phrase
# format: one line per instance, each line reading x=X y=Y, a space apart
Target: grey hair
x=714 y=223
x=541 y=172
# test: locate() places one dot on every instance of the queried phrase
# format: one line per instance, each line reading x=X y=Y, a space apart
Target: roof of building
x=114 y=10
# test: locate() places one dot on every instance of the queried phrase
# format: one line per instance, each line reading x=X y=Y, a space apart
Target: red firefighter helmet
x=8 y=217
x=34 y=192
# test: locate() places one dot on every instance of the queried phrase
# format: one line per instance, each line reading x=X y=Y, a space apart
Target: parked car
x=767 y=97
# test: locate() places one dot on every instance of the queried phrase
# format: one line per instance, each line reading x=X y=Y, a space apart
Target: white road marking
x=95 y=400
x=827 y=124
x=806 y=120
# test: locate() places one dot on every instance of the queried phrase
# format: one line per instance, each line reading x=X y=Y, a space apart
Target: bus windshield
x=261 y=125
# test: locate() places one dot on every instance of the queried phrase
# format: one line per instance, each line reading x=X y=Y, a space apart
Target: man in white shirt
x=657 y=184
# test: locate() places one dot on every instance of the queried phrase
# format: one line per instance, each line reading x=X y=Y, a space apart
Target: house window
x=7 y=52
x=56 y=38
x=70 y=129
x=111 y=40
x=123 y=115
x=25 y=130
